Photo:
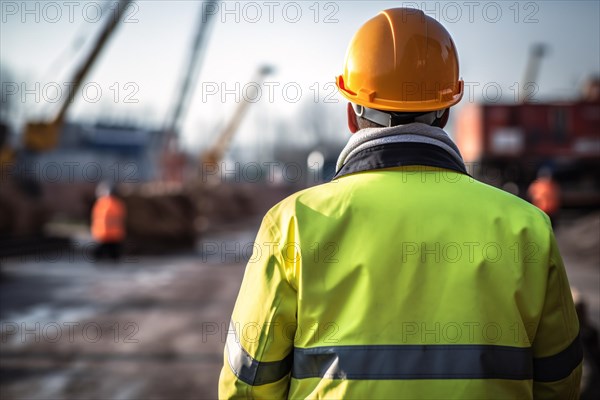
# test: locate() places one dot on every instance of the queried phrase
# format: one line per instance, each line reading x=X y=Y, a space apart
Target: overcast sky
x=304 y=40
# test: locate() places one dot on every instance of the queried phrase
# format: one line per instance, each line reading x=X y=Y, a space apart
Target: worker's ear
x=444 y=120
x=352 y=121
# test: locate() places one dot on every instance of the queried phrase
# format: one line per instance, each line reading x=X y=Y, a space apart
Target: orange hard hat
x=401 y=60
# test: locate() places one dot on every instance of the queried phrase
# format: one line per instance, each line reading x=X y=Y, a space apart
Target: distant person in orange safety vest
x=108 y=223
x=544 y=193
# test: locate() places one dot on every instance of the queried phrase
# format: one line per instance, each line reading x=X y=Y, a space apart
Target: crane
x=214 y=154
x=43 y=136
x=194 y=63
x=536 y=53
x=172 y=161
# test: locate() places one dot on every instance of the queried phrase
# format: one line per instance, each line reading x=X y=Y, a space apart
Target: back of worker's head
x=545 y=172
x=401 y=66
x=104 y=189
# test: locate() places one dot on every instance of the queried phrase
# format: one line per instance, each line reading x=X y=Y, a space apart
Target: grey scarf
x=415 y=132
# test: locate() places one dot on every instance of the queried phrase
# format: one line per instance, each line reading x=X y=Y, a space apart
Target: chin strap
x=387 y=119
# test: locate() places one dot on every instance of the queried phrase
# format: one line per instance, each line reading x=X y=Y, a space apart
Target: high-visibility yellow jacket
x=411 y=282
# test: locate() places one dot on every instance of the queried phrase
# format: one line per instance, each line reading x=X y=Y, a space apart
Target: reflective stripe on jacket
x=403 y=281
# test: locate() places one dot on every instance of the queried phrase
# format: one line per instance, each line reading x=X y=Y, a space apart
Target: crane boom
x=537 y=52
x=41 y=136
x=194 y=62
x=172 y=160
x=215 y=153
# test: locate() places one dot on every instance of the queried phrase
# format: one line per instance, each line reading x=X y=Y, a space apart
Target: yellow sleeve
x=557 y=349
x=259 y=348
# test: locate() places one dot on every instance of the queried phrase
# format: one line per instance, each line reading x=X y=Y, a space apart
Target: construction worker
x=403 y=278
x=108 y=223
x=544 y=193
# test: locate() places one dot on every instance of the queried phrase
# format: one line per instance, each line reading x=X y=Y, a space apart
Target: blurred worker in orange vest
x=544 y=193
x=108 y=223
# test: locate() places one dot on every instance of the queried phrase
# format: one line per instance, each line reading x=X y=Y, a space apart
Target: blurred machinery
x=170 y=214
x=162 y=215
x=43 y=136
x=509 y=143
x=214 y=155
x=23 y=212
x=173 y=161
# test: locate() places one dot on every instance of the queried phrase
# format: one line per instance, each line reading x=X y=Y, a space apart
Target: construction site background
x=153 y=324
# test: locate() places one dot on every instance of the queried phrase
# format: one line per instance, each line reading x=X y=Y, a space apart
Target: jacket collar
x=399 y=155
x=411 y=144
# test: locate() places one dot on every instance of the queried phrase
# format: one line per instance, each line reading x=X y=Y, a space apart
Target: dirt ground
x=579 y=242
x=153 y=327
x=148 y=328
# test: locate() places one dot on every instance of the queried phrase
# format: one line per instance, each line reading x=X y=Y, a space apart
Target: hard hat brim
x=371 y=100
